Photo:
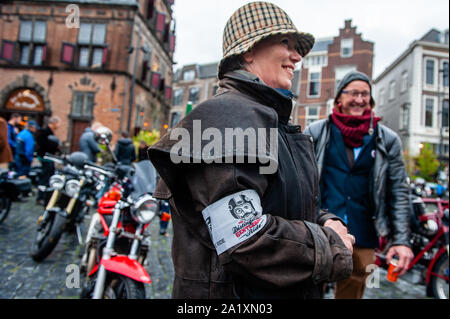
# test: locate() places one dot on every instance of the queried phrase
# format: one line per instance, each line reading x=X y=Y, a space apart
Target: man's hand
x=404 y=254
x=341 y=230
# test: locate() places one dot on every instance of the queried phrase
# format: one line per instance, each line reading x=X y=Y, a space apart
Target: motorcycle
x=35 y=173
x=11 y=189
x=429 y=243
x=118 y=237
x=67 y=200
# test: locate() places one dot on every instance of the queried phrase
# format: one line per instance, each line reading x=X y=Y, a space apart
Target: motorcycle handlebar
x=99 y=169
x=71 y=171
x=54 y=158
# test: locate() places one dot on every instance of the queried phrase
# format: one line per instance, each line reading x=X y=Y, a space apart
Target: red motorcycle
x=118 y=237
x=429 y=242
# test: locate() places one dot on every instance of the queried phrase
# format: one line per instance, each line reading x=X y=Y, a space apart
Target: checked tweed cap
x=255 y=21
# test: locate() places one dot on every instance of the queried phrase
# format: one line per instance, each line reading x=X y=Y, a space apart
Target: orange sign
x=25 y=100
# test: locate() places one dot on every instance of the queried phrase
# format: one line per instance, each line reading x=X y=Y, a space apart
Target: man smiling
x=239 y=233
x=362 y=179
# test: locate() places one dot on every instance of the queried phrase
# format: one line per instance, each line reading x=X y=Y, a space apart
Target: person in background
x=164 y=209
x=440 y=189
x=5 y=150
x=47 y=142
x=88 y=145
x=13 y=130
x=142 y=151
x=362 y=179
x=125 y=151
x=25 y=148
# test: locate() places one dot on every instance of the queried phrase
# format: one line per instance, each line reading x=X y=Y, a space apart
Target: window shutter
x=160 y=22
x=44 y=53
x=155 y=80
x=172 y=43
x=168 y=94
x=8 y=49
x=67 y=53
x=105 y=55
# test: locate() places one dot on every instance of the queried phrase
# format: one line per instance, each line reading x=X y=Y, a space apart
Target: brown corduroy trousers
x=353 y=287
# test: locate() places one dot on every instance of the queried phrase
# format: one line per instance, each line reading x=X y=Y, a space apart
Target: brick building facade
x=412 y=95
x=193 y=84
x=323 y=68
x=114 y=66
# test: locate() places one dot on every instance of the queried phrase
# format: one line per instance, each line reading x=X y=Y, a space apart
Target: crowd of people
x=21 y=142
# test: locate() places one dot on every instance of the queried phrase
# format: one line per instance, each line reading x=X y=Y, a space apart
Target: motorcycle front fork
x=109 y=250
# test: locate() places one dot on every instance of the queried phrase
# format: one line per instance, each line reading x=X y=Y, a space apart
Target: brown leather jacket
x=5 y=150
x=291 y=255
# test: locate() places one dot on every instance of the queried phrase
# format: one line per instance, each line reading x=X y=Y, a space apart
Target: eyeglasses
x=355 y=94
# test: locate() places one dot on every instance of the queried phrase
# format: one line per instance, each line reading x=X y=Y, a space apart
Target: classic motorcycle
x=68 y=199
x=429 y=242
x=11 y=188
x=118 y=237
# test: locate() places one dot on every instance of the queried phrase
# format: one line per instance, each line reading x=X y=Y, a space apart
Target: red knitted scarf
x=353 y=128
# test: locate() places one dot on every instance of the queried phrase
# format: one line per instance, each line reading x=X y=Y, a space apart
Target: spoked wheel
x=439 y=278
x=5 y=206
x=117 y=287
x=47 y=236
x=122 y=287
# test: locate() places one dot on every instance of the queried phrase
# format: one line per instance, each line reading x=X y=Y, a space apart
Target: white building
x=412 y=94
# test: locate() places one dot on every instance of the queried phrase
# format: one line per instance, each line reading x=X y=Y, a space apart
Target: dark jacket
x=291 y=255
x=142 y=153
x=46 y=142
x=12 y=135
x=88 y=145
x=345 y=186
x=388 y=186
x=125 y=151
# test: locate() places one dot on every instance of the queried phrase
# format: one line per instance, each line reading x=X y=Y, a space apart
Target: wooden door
x=78 y=128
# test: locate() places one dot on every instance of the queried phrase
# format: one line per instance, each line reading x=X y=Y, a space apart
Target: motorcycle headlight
x=57 y=181
x=145 y=209
x=72 y=187
x=431 y=226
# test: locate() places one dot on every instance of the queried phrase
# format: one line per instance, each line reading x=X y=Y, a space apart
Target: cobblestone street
x=21 y=277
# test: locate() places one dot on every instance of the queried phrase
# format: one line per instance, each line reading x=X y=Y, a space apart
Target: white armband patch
x=234 y=219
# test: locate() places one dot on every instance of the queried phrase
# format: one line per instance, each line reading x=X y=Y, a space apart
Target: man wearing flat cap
x=242 y=229
x=362 y=179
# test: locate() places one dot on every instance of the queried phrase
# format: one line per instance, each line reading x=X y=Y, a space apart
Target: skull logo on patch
x=241 y=207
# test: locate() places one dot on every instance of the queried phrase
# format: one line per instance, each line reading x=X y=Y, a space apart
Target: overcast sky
x=391 y=24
